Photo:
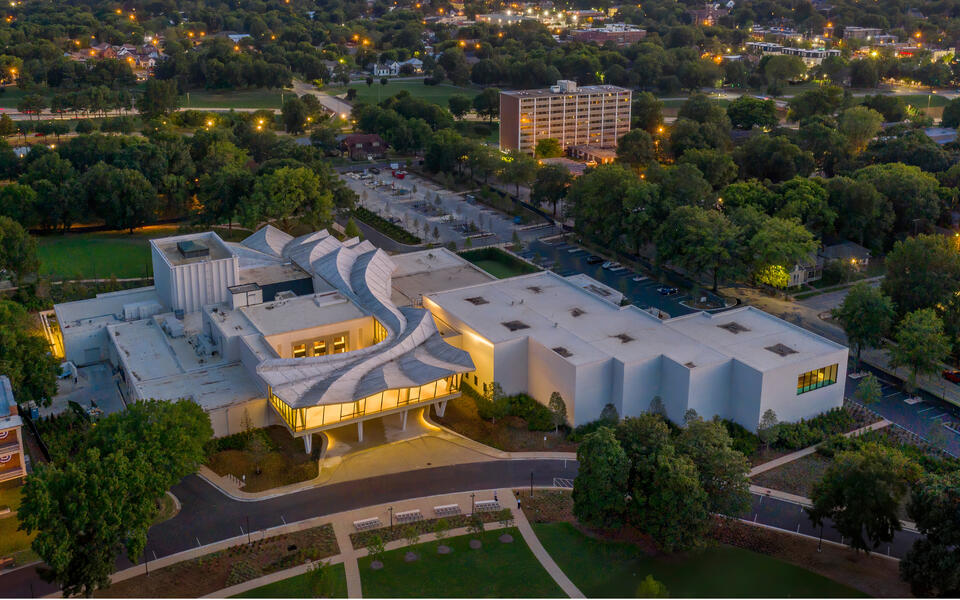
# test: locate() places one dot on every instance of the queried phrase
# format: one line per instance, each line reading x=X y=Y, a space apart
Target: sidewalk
x=773 y=464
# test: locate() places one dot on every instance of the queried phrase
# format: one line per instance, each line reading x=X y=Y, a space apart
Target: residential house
x=12 y=464
x=848 y=252
x=361 y=145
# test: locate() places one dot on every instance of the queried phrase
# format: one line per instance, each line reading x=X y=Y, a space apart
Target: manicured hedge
x=743 y=439
x=384 y=226
x=803 y=434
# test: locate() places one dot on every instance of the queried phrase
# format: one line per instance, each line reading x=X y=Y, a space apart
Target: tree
x=772 y=157
x=375 y=547
x=459 y=105
x=823 y=100
x=294 y=114
x=647 y=112
x=859 y=125
x=32 y=104
x=861 y=493
x=921 y=344
x=863 y=214
x=866 y=315
x=558 y=410
x=723 y=471
x=440 y=528
x=717 y=167
x=25 y=356
x=160 y=97
x=411 y=536
x=777 y=241
x=519 y=169
x=505 y=517
x=122 y=197
x=487 y=103
x=651 y=588
x=767 y=429
x=914 y=194
x=747 y=112
x=85 y=509
x=657 y=407
x=600 y=487
x=931 y=566
x=350 y=229
x=286 y=192
x=18 y=250
x=609 y=414
x=780 y=68
x=951 y=114
x=323 y=583
x=258 y=450
x=864 y=73
x=748 y=193
x=698 y=240
x=548 y=148
x=806 y=201
x=550 y=185
x=922 y=271
x=868 y=390
x=475 y=527
x=636 y=148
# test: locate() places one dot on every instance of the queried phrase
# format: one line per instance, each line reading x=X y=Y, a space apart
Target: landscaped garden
x=264 y=458
x=496 y=570
x=303 y=586
x=498 y=263
x=384 y=226
x=218 y=570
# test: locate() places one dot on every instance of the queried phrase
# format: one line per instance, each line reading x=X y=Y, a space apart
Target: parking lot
x=422 y=208
x=931 y=418
x=568 y=259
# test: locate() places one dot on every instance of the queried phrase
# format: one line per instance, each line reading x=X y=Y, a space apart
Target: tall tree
x=459 y=105
x=861 y=493
x=636 y=148
x=859 y=124
x=921 y=344
x=698 y=240
x=866 y=315
x=550 y=185
x=18 y=250
x=932 y=565
x=548 y=148
x=747 y=112
x=600 y=488
x=723 y=470
x=160 y=97
x=294 y=113
x=922 y=271
x=25 y=356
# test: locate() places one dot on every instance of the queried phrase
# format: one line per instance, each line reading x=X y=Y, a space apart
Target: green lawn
x=100 y=255
x=258 y=98
x=438 y=94
x=12 y=542
x=498 y=269
x=495 y=571
x=498 y=263
x=614 y=570
x=920 y=100
x=10 y=96
x=299 y=587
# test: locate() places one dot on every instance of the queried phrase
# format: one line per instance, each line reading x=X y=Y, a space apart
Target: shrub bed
x=384 y=226
x=930 y=459
x=497 y=255
x=803 y=434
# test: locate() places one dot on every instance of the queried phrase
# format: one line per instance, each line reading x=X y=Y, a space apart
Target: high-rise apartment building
x=594 y=115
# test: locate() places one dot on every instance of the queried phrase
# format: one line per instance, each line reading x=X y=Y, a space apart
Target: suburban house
x=848 y=252
x=805 y=272
x=359 y=146
x=12 y=464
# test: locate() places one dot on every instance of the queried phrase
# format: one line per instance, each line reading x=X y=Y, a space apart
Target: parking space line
x=940 y=416
x=926 y=409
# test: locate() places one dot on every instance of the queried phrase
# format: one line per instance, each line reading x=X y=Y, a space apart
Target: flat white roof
x=431 y=271
x=109 y=305
x=560 y=314
x=302 y=312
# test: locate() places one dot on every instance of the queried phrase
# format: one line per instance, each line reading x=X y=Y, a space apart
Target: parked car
x=612 y=266
x=665 y=290
x=593 y=259
x=952 y=376
x=375 y=170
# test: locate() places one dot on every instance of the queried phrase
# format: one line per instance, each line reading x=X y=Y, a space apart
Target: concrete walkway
x=787 y=458
x=539 y=551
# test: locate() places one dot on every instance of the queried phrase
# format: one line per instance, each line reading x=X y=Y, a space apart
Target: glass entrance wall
x=301 y=419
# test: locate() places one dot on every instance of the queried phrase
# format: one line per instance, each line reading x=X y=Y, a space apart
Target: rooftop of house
x=301 y=312
x=191 y=248
x=8 y=406
x=561 y=314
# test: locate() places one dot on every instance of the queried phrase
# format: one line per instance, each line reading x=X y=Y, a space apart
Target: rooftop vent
x=193 y=249
x=576 y=311
x=536 y=289
x=733 y=327
x=563 y=352
x=690 y=364
x=624 y=338
x=515 y=325
x=477 y=300
x=781 y=349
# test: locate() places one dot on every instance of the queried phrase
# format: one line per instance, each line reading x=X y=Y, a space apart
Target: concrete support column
x=403 y=420
x=441 y=408
x=359 y=431
x=308 y=443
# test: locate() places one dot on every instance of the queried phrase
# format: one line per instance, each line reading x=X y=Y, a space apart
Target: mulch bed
x=288 y=463
x=509 y=434
x=207 y=574
x=360 y=539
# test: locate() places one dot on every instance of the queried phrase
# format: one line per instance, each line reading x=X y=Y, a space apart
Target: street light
x=472 y=503
x=391 y=518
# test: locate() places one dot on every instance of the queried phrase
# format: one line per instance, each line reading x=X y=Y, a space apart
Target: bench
x=364 y=524
x=487 y=505
x=446 y=510
x=408 y=516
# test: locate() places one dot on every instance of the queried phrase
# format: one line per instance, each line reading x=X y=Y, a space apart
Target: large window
x=816 y=379
x=340 y=344
x=319 y=348
x=299 y=350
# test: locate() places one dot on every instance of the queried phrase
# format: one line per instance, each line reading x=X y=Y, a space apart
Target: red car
x=952 y=376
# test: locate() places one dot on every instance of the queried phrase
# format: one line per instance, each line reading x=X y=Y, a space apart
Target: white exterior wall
x=229 y=420
x=593 y=392
x=674 y=388
x=641 y=382
x=548 y=373
x=746 y=389
x=161 y=277
x=710 y=390
x=195 y=285
x=511 y=367
x=85 y=347
x=359 y=335
x=780 y=389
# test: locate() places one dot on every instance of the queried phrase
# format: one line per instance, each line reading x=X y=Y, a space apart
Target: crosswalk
x=560 y=482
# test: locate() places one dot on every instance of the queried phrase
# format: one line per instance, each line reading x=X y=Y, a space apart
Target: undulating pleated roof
x=413 y=352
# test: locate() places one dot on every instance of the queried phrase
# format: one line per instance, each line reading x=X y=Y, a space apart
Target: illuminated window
x=319 y=348
x=816 y=379
x=299 y=350
x=340 y=344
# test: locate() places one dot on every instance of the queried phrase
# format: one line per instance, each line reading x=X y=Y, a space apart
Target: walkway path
x=777 y=462
x=539 y=551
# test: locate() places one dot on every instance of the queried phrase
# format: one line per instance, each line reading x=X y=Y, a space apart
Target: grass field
x=614 y=570
x=299 y=587
x=99 y=255
x=258 y=98
x=920 y=100
x=494 y=571
x=438 y=94
x=12 y=542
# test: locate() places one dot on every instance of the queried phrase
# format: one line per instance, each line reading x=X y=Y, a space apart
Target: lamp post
x=531 y=484
x=248 y=529
x=391 y=518
x=820 y=543
x=472 y=503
